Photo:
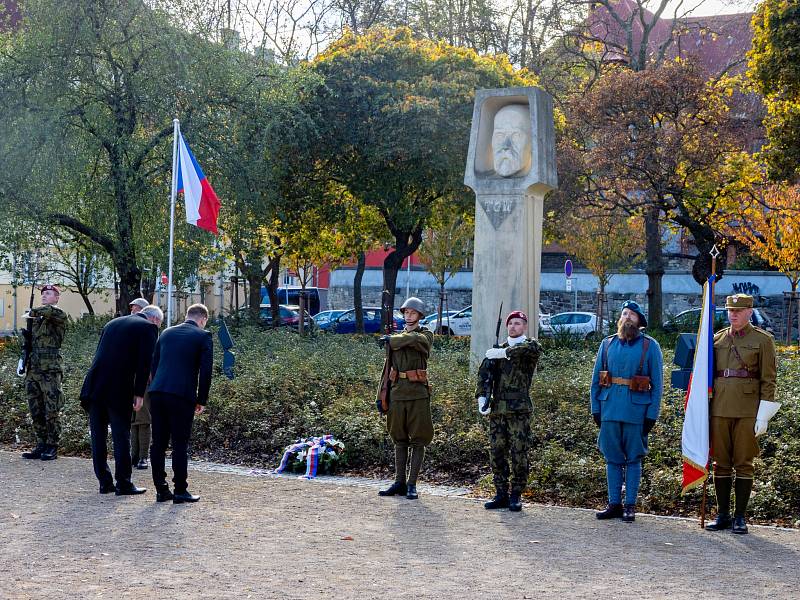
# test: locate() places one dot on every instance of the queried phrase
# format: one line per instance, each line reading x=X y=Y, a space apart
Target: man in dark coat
x=181 y=374
x=114 y=387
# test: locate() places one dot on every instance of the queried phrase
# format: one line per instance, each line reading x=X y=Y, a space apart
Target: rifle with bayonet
x=492 y=376
x=27 y=337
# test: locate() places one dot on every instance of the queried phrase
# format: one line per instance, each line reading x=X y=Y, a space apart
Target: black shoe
x=612 y=511
x=629 y=513
x=130 y=490
x=180 y=498
x=142 y=464
x=723 y=522
x=107 y=488
x=739 y=525
x=411 y=491
x=500 y=500
x=36 y=453
x=50 y=452
x=164 y=495
x=396 y=489
x=515 y=502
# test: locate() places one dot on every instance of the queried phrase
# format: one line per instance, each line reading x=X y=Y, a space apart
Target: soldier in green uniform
x=409 y=417
x=45 y=372
x=510 y=368
x=745 y=369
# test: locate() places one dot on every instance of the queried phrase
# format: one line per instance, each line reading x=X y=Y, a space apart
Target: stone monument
x=510 y=167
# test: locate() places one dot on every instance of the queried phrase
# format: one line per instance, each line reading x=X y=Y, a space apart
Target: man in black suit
x=114 y=387
x=181 y=375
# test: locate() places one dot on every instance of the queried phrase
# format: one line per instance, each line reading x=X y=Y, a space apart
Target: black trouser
x=172 y=418
x=102 y=415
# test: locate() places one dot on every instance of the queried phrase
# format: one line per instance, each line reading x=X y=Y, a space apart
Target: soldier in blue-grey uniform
x=627 y=385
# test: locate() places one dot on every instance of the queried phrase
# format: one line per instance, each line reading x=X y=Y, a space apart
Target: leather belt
x=621 y=381
x=740 y=373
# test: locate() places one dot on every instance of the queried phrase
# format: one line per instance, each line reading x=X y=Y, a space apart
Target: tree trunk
x=655 y=267
x=255 y=277
x=441 y=308
x=272 y=290
x=406 y=243
x=129 y=279
x=357 y=302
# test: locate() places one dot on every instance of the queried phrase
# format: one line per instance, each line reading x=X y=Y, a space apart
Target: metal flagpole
x=714 y=254
x=173 y=195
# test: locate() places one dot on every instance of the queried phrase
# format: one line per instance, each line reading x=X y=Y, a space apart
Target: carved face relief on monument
x=511 y=140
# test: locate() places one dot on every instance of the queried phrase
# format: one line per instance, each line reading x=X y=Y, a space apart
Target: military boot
x=411 y=491
x=50 y=452
x=743 y=488
x=500 y=500
x=36 y=453
x=629 y=513
x=396 y=489
x=515 y=502
x=722 y=489
x=612 y=511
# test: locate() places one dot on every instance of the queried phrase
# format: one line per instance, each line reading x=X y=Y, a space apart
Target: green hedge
x=289 y=387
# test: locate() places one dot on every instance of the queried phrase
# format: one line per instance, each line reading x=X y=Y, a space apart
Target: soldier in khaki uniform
x=45 y=373
x=409 y=417
x=744 y=391
x=510 y=369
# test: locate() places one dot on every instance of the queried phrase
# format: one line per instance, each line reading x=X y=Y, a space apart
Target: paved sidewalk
x=280 y=537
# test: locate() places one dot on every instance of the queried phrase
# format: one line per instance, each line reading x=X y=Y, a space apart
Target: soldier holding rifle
x=503 y=394
x=43 y=368
x=409 y=398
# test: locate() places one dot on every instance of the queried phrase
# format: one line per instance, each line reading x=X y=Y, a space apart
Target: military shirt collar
x=742 y=332
x=625 y=342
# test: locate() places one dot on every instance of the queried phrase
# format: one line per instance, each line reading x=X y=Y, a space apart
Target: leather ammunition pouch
x=640 y=383
x=605 y=379
x=414 y=375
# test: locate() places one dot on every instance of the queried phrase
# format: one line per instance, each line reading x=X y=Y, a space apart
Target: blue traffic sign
x=568 y=268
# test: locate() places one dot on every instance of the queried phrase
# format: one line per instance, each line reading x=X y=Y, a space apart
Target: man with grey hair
x=137 y=305
x=114 y=387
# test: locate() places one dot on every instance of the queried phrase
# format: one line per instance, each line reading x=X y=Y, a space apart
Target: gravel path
x=280 y=537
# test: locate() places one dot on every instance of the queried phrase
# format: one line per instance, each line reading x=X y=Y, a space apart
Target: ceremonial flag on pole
x=695 y=438
x=202 y=204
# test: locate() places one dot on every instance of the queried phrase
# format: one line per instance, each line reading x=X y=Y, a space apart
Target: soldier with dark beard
x=626 y=400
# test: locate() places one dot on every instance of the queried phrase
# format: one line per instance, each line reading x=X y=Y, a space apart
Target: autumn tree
x=661 y=146
x=767 y=221
x=775 y=71
x=396 y=118
x=605 y=241
x=446 y=247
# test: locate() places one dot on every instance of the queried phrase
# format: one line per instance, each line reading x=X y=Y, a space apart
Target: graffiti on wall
x=745 y=287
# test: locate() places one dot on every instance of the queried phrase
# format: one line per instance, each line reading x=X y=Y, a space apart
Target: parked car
x=323 y=318
x=289 y=316
x=579 y=324
x=435 y=315
x=688 y=321
x=346 y=322
x=316 y=298
x=459 y=323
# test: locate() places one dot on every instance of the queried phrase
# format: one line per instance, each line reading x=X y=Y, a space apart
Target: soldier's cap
x=140 y=302
x=50 y=287
x=738 y=301
x=516 y=314
x=634 y=306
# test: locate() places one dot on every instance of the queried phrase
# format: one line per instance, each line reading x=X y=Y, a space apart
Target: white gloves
x=483 y=406
x=766 y=410
x=495 y=353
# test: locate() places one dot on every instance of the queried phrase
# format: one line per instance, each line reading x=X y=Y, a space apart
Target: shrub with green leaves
x=289 y=387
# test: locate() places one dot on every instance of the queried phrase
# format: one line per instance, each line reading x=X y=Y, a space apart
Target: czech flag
x=695 y=444
x=202 y=204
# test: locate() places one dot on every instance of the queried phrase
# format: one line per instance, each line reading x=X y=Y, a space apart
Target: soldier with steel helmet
x=409 y=415
x=745 y=371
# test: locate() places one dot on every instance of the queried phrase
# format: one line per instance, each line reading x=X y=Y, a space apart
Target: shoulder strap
x=645 y=347
x=606 y=343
